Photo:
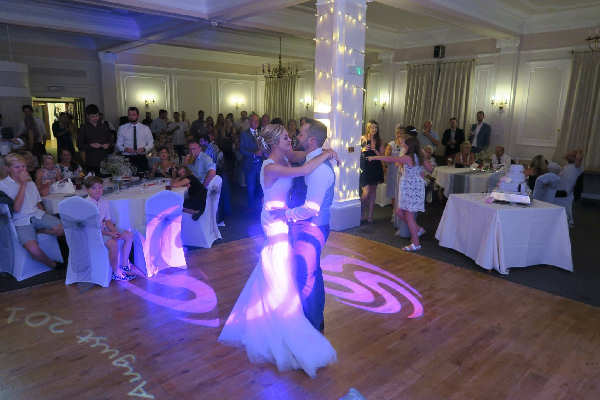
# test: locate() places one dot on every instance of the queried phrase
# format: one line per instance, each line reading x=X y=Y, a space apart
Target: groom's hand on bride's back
x=278 y=214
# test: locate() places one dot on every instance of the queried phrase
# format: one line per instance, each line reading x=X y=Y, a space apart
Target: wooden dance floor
x=404 y=327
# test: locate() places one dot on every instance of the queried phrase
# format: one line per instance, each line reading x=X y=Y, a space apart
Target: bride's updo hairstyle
x=270 y=136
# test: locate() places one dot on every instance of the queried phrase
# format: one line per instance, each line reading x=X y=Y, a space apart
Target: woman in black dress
x=195 y=198
x=371 y=173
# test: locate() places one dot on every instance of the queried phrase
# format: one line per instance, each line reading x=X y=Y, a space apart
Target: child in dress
x=46 y=176
x=411 y=191
x=111 y=235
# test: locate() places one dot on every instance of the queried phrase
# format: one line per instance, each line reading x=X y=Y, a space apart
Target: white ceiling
x=253 y=27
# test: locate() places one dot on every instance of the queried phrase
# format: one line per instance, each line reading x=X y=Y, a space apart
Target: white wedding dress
x=267 y=318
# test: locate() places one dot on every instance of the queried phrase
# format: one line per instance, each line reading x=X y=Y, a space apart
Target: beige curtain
x=581 y=122
x=452 y=94
x=280 y=97
x=420 y=91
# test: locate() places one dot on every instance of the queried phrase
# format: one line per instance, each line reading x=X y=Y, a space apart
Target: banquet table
x=463 y=180
x=127 y=206
x=502 y=236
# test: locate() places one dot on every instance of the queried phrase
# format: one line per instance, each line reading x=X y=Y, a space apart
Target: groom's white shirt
x=317 y=183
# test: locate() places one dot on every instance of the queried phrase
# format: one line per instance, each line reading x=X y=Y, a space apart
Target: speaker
x=439 y=51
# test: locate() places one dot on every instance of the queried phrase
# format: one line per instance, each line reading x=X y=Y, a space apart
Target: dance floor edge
x=404 y=327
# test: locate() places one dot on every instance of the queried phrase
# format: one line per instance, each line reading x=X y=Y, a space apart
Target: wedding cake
x=512 y=187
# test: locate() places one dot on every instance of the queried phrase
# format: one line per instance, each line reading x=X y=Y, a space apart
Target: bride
x=267 y=318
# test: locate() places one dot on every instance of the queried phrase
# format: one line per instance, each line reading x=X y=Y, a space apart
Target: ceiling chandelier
x=594 y=40
x=279 y=70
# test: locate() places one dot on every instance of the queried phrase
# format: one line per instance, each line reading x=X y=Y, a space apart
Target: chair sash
x=81 y=263
x=7 y=251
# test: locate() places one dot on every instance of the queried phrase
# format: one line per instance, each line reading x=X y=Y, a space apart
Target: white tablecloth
x=502 y=236
x=127 y=207
x=462 y=180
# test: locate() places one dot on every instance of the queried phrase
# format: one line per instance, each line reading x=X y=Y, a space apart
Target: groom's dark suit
x=310 y=201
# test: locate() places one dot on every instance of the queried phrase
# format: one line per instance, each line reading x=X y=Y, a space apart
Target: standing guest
x=264 y=121
x=48 y=175
x=371 y=171
x=135 y=140
x=537 y=167
x=210 y=127
x=93 y=140
x=480 y=133
x=200 y=164
x=237 y=124
x=500 y=158
x=429 y=180
x=465 y=157
x=61 y=129
x=292 y=129
x=453 y=138
x=29 y=217
x=195 y=198
x=178 y=128
x=411 y=188
x=225 y=142
x=198 y=126
x=33 y=132
x=68 y=168
x=251 y=163
x=118 y=257
x=428 y=137
x=220 y=122
x=148 y=120
x=394 y=149
x=110 y=127
x=159 y=125
x=164 y=168
x=229 y=116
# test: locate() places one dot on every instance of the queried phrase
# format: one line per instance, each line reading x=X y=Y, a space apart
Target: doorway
x=49 y=108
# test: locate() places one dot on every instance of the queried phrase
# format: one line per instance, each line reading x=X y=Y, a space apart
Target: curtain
x=581 y=122
x=420 y=91
x=280 y=97
x=452 y=94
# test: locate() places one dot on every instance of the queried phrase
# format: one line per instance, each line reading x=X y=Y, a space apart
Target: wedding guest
x=292 y=129
x=29 y=217
x=568 y=178
x=371 y=171
x=210 y=127
x=480 y=133
x=200 y=164
x=135 y=140
x=500 y=158
x=68 y=168
x=148 y=120
x=47 y=175
x=251 y=163
x=453 y=137
x=110 y=127
x=112 y=236
x=195 y=198
x=178 y=128
x=237 y=124
x=428 y=136
x=537 y=167
x=159 y=125
x=31 y=162
x=264 y=121
x=10 y=145
x=61 y=129
x=411 y=188
x=395 y=149
x=164 y=168
x=93 y=140
x=198 y=126
x=465 y=157
x=33 y=132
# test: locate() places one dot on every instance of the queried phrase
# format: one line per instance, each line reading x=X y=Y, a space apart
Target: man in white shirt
x=500 y=158
x=135 y=140
x=29 y=216
x=310 y=228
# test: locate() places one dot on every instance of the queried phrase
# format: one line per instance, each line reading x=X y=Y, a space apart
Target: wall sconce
x=237 y=101
x=148 y=101
x=307 y=101
x=381 y=101
x=500 y=102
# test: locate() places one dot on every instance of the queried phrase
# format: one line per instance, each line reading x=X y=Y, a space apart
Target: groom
x=311 y=197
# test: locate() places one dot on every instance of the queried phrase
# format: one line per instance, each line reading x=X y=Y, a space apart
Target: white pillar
x=14 y=92
x=108 y=74
x=338 y=97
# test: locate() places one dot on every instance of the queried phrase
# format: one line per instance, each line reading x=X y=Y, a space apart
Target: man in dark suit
x=453 y=138
x=480 y=134
x=252 y=162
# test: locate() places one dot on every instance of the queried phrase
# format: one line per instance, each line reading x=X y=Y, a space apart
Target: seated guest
x=200 y=164
x=69 y=168
x=453 y=138
x=429 y=180
x=31 y=162
x=134 y=140
x=93 y=140
x=571 y=171
x=165 y=168
x=465 y=157
x=119 y=258
x=537 y=167
x=29 y=216
x=195 y=198
x=500 y=158
x=428 y=153
x=47 y=175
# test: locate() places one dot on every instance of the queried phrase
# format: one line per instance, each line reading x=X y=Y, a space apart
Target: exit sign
x=356 y=70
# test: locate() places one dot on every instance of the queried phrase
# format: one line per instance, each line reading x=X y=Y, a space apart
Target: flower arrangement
x=116 y=165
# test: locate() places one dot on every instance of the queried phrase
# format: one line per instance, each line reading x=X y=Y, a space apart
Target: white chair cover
x=161 y=248
x=545 y=187
x=204 y=231
x=15 y=259
x=567 y=203
x=88 y=256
